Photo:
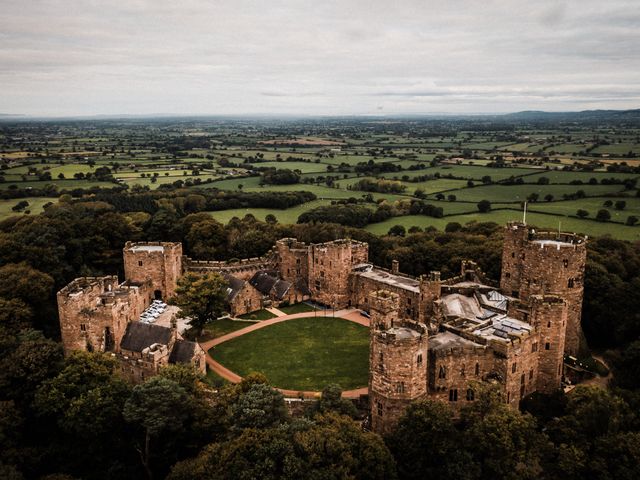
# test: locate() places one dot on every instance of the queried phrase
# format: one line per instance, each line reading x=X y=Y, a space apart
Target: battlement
x=90 y=286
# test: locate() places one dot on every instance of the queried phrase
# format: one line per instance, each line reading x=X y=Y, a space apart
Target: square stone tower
x=157 y=262
x=330 y=266
x=546 y=263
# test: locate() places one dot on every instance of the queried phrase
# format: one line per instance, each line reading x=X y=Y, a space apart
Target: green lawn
x=296 y=308
x=258 y=315
x=302 y=354
x=221 y=327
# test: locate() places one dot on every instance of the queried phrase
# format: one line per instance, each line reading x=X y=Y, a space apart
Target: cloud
x=306 y=57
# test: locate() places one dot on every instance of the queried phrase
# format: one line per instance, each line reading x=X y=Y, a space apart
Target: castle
x=429 y=338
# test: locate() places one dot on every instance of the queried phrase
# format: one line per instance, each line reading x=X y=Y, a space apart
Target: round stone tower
x=546 y=263
x=397 y=362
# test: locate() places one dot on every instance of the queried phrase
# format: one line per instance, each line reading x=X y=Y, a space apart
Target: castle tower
x=94 y=313
x=397 y=362
x=330 y=265
x=157 y=262
x=430 y=291
x=292 y=259
x=546 y=263
x=549 y=317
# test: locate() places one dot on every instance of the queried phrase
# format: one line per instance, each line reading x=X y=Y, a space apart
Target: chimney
x=395 y=266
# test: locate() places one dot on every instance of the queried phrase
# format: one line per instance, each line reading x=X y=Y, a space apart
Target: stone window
x=534 y=347
x=400 y=387
x=381 y=357
x=408 y=301
x=477 y=369
x=453 y=395
x=508 y=397
x=297 y=271
x=470 y=395
x=419 y=360
x=547 y=346
x=321 y=262
x=139 y=263
x=507 y=275
x=549 y=324
x=523 y=256
x=514 y=367
x=513 y=254
x=83 y=327
x=322 y=274
x=531 y=374
x=318 y=285
x=380 y=409
x=570 y=283
x=298 y=261
x=442 y=373
x=566 y=263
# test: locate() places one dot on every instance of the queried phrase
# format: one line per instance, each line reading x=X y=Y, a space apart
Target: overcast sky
x=315 y=57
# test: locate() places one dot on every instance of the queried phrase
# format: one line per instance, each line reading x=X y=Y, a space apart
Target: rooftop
x=147 y=248
x=403 y=333
x=448 y=340
x=399 y=281
x=503 y=328
x=556 y=243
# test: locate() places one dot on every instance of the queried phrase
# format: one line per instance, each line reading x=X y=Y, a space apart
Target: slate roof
x=267 y=283
x=139 y=336
x=183 y=351
x=235 y=285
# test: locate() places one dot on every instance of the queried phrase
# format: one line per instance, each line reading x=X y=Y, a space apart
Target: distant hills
x=585 y=115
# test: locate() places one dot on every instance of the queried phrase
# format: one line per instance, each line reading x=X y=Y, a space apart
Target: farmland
x=558 y=169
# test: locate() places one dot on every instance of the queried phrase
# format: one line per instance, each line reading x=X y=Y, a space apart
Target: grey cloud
x=62 y=57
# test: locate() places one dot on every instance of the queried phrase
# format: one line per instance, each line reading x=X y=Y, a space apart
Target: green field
x=519 y=193
x=576 y=225
x=35 y=206
x=302 y=354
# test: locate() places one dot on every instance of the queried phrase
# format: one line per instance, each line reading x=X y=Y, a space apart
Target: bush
x=582 y=213
x=603 y=215
x=484 y=206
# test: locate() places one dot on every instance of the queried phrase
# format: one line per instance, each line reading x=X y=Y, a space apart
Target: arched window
x=477 y=369
x=442 y=373
x=470 y=395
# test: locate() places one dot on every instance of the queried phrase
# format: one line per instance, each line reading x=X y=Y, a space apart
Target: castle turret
x=546 y=263
x=157 y=262
x=430 y=292
x=549 y=317
x=397 y=362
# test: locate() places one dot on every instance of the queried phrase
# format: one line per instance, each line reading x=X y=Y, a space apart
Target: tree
x=620 y=205
x=548 y=197
x=453 y=227
x=440 y=196
x=430 y=423
x=331 y=401
x=582 y=213
x=202 y=298
x=451 y=198
x=484 y=206
x=330 y=447
x=157 y=406
x=271 y=219
x=397 y=231
x=607 y=203
x=259 y=407
x=543 y=181
x=603 y=215
x=632 y=220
